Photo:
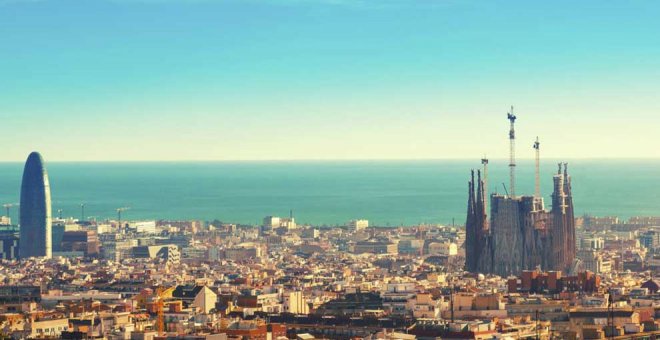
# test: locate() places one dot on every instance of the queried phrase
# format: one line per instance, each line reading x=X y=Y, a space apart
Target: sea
x=387 y=193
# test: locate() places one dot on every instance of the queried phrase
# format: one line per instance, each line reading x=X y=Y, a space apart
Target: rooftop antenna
x=506 y=191
x=512 y=153
x=537 y=183
x=82 y=211
x=484 y=161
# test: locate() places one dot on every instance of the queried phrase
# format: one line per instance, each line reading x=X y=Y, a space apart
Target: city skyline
x=129 y=80
x=329 y=169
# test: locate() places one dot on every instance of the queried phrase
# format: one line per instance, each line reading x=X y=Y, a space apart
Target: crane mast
x=537 y=182
x=119 y=210
x=160 y=324
x=512 y=153
x=484 y=161
x=9 y=206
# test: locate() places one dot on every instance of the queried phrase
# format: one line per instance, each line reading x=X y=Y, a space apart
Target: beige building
x=590 y=322
x=375 y=247
x=200 y=297
x=444 y=248
x=205 y=300
x=594 y=262
x=470 y=305
x=425 y=307
x=47 y=328
x=294 y=302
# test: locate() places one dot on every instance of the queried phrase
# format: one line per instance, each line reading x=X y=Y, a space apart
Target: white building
x=399 y=298
x=444 y=248
x=357 y=225
x=103 y=228
x=592 y=243
x=147 y=227
x=279 y=222
x=168 y=252
x=272 y=221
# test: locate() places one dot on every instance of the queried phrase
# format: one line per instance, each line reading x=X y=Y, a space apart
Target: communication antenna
x=537 y=183
x=512 y=153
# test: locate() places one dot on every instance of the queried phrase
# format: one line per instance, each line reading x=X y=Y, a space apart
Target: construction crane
x=512 y=153
x=537 y=181
x=484 y=161
x=119 y=210
x=160 y=305
x=162 y=294
x=8 y=206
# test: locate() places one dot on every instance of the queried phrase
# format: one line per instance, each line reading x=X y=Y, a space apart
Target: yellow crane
x=161 y=294
x=160 y=323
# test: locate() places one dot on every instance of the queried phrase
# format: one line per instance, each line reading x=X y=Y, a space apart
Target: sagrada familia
x=520 y=234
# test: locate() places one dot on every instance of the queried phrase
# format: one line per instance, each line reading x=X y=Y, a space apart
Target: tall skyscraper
x=35 y=218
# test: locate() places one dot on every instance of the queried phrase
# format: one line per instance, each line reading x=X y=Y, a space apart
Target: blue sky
x=327 y=79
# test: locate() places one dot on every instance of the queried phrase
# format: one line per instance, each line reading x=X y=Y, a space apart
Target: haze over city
x=329 y=170
x=284 y=79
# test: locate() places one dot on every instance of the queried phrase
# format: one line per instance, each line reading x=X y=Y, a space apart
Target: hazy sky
x=327 y=79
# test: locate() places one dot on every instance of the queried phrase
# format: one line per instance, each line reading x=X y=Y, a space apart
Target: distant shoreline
x=322 y=192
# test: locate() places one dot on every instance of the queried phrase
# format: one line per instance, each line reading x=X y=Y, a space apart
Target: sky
x=108 y=80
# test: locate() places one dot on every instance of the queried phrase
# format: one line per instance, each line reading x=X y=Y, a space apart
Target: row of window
x=50 y=330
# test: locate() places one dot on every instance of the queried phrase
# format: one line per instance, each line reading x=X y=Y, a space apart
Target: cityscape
x=329 y=169
x=524 y=272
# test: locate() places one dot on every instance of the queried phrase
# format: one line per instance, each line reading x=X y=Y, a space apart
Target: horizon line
x=327 y=160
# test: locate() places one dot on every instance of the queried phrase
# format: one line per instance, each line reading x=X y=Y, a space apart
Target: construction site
x=519 y=233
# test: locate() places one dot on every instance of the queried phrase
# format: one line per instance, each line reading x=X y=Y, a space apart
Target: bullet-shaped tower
x=35 y=218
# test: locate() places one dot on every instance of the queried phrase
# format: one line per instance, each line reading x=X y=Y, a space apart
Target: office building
x=35 y=211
